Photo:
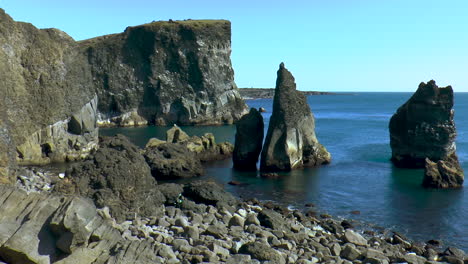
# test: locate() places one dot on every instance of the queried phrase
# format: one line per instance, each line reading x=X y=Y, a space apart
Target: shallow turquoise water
x=354 y=128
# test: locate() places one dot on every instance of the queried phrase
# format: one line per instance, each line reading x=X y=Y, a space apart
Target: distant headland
x=257 y=93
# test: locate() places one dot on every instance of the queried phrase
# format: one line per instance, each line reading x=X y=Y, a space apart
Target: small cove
x=354 y=128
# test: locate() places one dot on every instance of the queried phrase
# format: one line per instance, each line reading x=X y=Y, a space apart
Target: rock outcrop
x=291 y=142
x=445 y=173
x=422 y=132
x=46 y=94
x=248 y=141
x=164 y=73
x=116 y=176
x=54 y=89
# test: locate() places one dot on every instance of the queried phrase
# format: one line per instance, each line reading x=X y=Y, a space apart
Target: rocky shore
x=197 y=222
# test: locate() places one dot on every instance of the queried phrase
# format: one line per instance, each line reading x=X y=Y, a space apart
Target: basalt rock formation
x=54 y=89
x=291 y=142
x=248 y=142
x=422 y=135
x=165 y=73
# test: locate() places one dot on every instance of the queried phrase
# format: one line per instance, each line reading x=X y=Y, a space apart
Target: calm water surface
x=354 y=129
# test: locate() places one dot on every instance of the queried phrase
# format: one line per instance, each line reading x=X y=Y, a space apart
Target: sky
x=328 y=45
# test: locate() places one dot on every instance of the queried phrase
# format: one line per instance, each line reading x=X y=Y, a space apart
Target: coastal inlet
x=360 y=183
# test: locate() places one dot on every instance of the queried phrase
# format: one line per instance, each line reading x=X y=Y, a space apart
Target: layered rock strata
x=290 y=141
x=164 y=73
x=422 y=132
x=248 y=141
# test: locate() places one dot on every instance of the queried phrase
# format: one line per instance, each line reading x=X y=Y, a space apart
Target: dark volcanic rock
x=424 y=128
x=249 y=139
x=172 y=161
x=116 y=176
x=165 y=73
x=291 y=142
x=208 y=192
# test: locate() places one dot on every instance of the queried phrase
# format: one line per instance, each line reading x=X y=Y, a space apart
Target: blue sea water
x=354 y=129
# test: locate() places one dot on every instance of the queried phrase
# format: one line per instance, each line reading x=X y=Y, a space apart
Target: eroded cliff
x=165 y=73
x=54 y=89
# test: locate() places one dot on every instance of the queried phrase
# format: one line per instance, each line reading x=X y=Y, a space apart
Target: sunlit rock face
x=290 y=141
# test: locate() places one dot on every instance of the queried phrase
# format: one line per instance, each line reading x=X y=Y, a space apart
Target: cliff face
x=44 y=80
x=51 y=87
x=164 y=73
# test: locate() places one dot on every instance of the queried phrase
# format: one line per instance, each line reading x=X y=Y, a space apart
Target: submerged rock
x=291 y=142
x=422 y=133
x=249 y=139
x=116 y=176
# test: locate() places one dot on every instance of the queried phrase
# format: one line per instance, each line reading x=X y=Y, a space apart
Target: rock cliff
x=45 y=87
x=422 y=132
x=291 y=142
x=54 y=89
x=164 y=73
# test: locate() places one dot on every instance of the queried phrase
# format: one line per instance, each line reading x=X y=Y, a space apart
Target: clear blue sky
x=329 y=45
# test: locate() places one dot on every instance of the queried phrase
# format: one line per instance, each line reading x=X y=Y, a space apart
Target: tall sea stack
x=422 y=135
x=291 y=142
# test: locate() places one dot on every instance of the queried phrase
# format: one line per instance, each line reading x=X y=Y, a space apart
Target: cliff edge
x=175 y=72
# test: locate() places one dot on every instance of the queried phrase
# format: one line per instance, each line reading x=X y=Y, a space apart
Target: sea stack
x=422 y=135
x=291 y=142
x=249 y=139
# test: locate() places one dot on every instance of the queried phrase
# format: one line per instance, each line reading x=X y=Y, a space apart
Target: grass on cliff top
x=195 y=23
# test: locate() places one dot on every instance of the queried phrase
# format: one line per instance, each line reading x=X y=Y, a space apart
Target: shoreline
x=208 y=224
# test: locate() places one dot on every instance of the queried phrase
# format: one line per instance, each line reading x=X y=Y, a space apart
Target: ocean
x=360 y=183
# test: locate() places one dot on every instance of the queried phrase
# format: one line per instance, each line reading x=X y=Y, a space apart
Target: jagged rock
x=443 y=174
x=248 y=142
x=423 y=128
x=172 y=161
x=291 y=142
x=166 y=73
x=116 y=176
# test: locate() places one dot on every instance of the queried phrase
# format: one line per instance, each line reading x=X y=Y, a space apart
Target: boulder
x=291 y=142
x=422 y=133
x=262 y=252
x=172 y=161
x=248 y=142
x=116 y=176
x=208 y=192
